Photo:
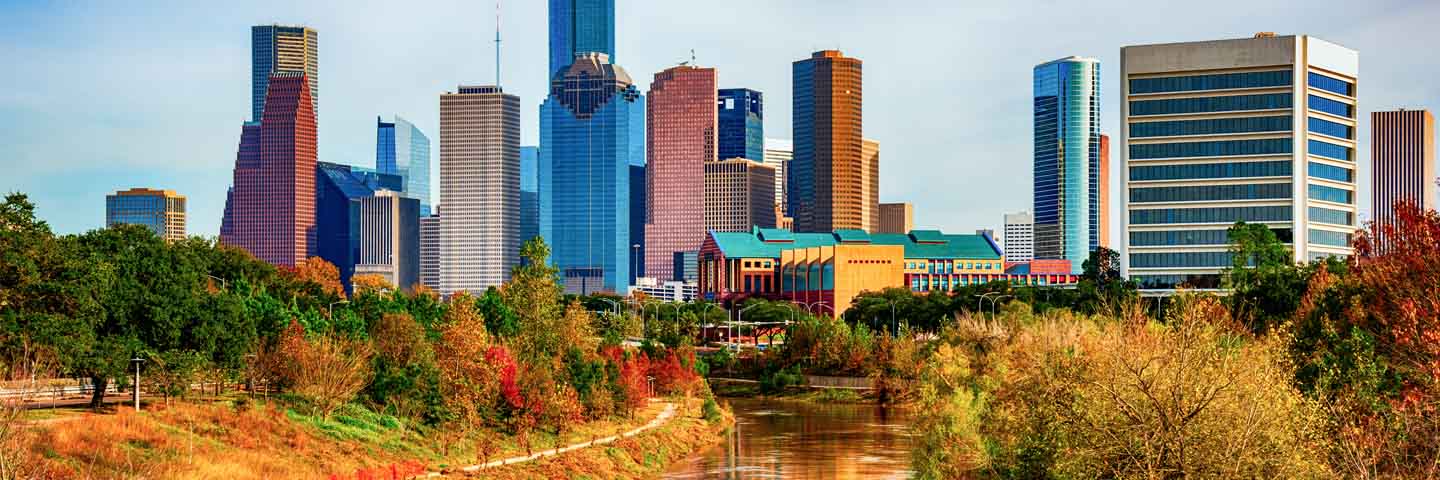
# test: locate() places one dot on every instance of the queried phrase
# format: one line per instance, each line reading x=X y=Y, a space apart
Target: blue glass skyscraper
x=742 y=126
x=580 y=26
x=401 y=149
x=1067 y=160
x=588 y=126
x=338 y=190
x=529 y=193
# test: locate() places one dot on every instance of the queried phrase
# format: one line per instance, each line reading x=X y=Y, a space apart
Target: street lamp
x=705 y=314
x=634 y=262
x=995 y=304
x=134 y=389
x=895 y=324
x=741 y=319
x=330 y=310
x=222 y=281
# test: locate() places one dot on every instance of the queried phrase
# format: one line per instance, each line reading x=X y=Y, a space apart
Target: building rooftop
x=769 y=242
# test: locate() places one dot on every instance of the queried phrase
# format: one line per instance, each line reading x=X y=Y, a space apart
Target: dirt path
x=664 y=416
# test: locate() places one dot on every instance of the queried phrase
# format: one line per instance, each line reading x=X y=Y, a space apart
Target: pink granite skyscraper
x=271 y=211
x=681 y=136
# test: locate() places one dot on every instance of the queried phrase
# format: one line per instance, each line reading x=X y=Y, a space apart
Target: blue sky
x=100 y=96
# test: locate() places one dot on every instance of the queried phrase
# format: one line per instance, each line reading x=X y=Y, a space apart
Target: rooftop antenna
x=497 y=44
x=691 y=61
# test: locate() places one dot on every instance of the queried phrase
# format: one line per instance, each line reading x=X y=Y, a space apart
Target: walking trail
x=664 y=416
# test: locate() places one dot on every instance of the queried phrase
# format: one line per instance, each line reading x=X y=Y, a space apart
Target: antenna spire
x=497 y=44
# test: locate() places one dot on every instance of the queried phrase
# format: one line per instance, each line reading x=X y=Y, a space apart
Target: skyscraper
x=529 y=193
x=1103 y=192
x=680 y=139
x=637 y=222
x=577 y=27
x=1256 y=129
x=480 y=188
x=282 y=48
x=1402 y=149
x=273 y=203
x=390 y=238
x=870 y=183
x=162 y=211
x=339 y=190
x=1019 y=237
x=588 y=126
x=401 y=149
x=826 y=179
x=739 y=195
x=1067 y=159
x=778 y=154
x=896 y=218
x=430 y=251
x=742 y=124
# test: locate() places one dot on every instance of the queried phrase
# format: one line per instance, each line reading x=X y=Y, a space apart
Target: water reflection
x=800 y=441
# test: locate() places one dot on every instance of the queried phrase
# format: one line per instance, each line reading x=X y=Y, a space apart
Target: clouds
x=105 y=96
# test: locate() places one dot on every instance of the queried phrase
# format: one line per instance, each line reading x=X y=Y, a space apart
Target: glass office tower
x=529 y=193
x=580 y=26
x=282 y=48
x=401 y=149
x=162 y=211
x=1067 y=160
x=826 y=179
x=742 y=126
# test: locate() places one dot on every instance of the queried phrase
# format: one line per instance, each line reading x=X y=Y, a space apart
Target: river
x=797 y=440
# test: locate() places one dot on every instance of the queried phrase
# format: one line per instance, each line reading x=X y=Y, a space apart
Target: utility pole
x=135 y=389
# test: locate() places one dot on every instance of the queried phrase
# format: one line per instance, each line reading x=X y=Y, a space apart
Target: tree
x=320 y=277
x=500 y=320
x=325 y=370
x=1264 y=281
x=469 y=373
x=1102 y=267
x=534 y=295
x=370 y=283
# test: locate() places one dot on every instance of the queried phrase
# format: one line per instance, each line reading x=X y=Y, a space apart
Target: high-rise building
x=401 y=149
x=339 y=190
x=778 y=154
x=480 y=188
x=1067 y=159
x=1402 y=152
x=680 y=139
x=430 y=251
x=579 y=27
x=1019 y=237
x=162 y=211
x=742 y=124
x=589 y=125
x=637 y=222
x=390 y=238
x=870 y=180
x=1104 y=191
x=272 y=206
x=283 y=48
x=529 y=193
x=1257 y=129
x=739 y=195
x=896 y=218
x=826 y=180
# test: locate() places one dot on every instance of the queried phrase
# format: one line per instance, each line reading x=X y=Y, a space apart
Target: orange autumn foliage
x=1398 y=263
x=320 y=272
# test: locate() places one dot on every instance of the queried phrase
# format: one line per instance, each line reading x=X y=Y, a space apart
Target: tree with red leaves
x=1398 y=260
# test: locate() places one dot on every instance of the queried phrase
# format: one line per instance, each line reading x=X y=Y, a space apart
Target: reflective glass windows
x=1268 y=146
x=1326 y=127
x=1232 y=103
x=1334 y=217
x=1330 y=150
x=1180 y=259
x=1262 y=191
x=1210 y=126
x=1224 y=81
x=1326 y=237
x=1331 y=172
x=1331 y=194
x=1210 y=215
x=1193 y=237
x=1210 y=170
x=1332 y=85
x=1331 y=107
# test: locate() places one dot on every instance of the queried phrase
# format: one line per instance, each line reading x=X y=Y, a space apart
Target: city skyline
x=196 y=123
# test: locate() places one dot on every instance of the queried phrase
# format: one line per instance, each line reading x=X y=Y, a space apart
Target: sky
x=105 y=96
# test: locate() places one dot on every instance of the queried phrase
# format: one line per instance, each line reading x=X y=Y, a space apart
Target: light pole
x=894 y=323
x=330 y=310
x=741 y=319
x=135 y=389
x=995 y=304
x=634 y=262
x=222 y=281
x=704 y=315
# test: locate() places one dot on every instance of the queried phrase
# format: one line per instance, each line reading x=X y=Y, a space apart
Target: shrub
x=326 y=371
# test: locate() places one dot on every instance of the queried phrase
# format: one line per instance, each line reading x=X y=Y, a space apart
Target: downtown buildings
x=1067 y=160
x=1402 y=153
x=162 y=211
x=401 y=149
x=680 y=140
x=389 y=227
x=271 y=208
x=283 y=48
x=1019 y=240
x=827 y=179
x=340 y=191
x=896 y=218
x=739 y=195
x=742 y=124
x=479 y=188
x=1260 y=130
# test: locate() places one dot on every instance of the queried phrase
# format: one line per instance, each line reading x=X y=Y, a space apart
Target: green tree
x=534 y=294
x=1264 y=281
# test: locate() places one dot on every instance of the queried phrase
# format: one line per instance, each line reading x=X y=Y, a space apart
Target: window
x=1326 y=237
x=1194 y=237
x=1211 y=149
x=1334 y=217
x=1330 y=194
x=1210 y=215
x=1331 y=172
x=1332 y=85
x=1210 y=193
x=1210 y=170
x=1222 y=81
x=1180 y=259
x=1326 y=127
x=1330 y=150
x=1211 y=104
x=1210 y=127
x=1331 y=107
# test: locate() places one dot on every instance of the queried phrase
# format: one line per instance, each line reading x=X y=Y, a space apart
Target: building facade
x=778 y=154
x=390 y=238
x=283 y=48
x=480 y=188
x=826 y=181
x=1104 y=192
x=162 y=211
x=870 y=181
x=401 y=149
x=896 y=218
x=680 y=139
x=430 y=251
x=739 y=195
x=742 y=124
x=589 y=126
x=637 y=222
x=1067 y=159
x=272 y=204
x=1019 y=237
x=579 y=27
x=529 y=193
x=1402 y=153
x=1260 y=130
x=339 y=191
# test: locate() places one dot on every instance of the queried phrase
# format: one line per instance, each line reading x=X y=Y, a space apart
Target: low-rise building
x=665 y=291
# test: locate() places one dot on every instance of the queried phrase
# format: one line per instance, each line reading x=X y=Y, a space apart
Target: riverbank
x=254 y=439
x=733 y=388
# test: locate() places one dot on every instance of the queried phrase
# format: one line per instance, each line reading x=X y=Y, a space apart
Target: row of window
x=1210 y=127
x=1194 y=237
x=1223 y=148
x=1211 y=104
x=1180 y=259
x=1329 y=238
x=1330 y=128
x=1211 y=193
x=1334 y=217
x=1172 y=281
x=1332 y=85
x=1225 y=215
x=1331 y=107
x=1222 y=81
x=1330 y=150
x=1331 y=172
x=1210 y=170
x=1331 y=194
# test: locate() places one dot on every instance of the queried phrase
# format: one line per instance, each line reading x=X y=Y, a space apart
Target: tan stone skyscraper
x=896 y=218
x=827 y=182
x=1402 y=147
x=870 y=180
x=739 y=194
x=479 y=187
